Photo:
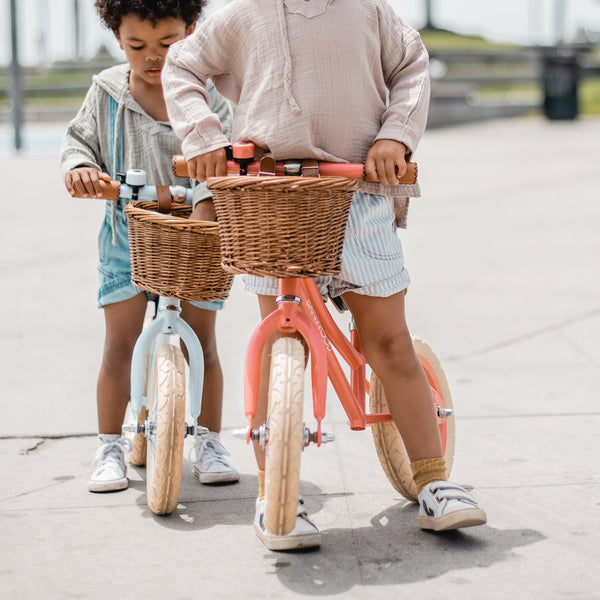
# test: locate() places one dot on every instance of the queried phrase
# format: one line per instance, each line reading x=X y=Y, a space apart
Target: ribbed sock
x=428 y=470
x=261 y=485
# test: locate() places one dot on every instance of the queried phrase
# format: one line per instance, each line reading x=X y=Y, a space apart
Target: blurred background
x=489 y=59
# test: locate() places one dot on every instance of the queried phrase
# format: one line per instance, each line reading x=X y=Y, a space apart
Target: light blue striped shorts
x=372 y=258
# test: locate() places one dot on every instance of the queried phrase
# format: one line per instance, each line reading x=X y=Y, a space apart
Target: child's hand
x=211 y=164
x=386 y=162
x=204 y=211
x=84 y=182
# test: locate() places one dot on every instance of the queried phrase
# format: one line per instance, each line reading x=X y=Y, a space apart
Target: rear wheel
x=164 y=456
x=286 y=439
x=137 y=456
x=388 y=441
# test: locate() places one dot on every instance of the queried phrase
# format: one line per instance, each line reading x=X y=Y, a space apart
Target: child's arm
x=386 y=162
x=80 y=155
x=185 y=79
x=204 y=209
x=214 y=164
x=84 y=182
x=211 y=164
x=406 y=70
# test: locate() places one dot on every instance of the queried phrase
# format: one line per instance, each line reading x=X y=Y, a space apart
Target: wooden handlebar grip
x=110 y=189
x=409 y=177
x=180 y=166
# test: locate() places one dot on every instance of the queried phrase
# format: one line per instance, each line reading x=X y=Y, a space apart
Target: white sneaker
x=445 y=505
x=304 y=535
x=208 y=459
x=109 y=461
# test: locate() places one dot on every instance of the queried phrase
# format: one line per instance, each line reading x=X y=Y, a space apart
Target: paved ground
x=503 y=250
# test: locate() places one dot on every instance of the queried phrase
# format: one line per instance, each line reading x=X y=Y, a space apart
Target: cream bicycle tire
x=388 y=441
x=286 y=439
x=164 y=456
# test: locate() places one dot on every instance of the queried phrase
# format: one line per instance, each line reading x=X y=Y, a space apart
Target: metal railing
x=466 y=73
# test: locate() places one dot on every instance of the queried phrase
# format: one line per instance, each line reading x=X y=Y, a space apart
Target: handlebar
x=241 y=162
x=133 y=187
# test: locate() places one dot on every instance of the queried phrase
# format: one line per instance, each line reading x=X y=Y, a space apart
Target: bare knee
x=117 y=354
x=211 y=356
x=393 y=354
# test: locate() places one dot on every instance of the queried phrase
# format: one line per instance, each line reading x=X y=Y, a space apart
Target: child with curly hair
x=123 y=124
x=334 y=80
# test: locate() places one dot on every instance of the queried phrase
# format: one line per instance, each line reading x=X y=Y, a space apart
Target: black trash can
x=560 y=75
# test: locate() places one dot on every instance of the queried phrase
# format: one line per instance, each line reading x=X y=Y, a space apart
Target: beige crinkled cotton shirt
x=320 y=79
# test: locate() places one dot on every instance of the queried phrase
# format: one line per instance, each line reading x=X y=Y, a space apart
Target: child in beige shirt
x=336 y=80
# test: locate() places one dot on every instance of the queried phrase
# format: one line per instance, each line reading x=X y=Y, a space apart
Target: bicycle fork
x=167 y=323
x=287 y=319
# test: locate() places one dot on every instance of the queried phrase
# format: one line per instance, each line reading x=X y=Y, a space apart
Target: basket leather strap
x=310 y=168
x=268 y=166
x=163 y=196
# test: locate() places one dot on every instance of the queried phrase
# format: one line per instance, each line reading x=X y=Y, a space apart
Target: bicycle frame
x=168 y=321
x=301 y=309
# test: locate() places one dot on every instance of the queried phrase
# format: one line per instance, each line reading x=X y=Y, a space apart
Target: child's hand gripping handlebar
x=241 y=162
x=133 y=187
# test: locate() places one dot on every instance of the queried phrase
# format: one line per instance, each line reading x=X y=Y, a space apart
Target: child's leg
x=387 y=346
x=124 y=322
x=208 y=456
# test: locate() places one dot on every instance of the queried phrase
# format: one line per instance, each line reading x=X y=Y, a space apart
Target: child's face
x=146 y=45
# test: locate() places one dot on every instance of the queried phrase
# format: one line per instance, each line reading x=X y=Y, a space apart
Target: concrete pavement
x=503 y=250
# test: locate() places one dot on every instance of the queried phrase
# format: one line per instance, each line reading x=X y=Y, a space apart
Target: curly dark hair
x=112 y=11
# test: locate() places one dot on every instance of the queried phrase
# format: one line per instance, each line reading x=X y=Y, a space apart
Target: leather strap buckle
x=310 y=168
x=267 y=166
x=163 y=197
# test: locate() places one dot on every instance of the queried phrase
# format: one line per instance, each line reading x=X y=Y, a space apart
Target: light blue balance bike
x=176 y=259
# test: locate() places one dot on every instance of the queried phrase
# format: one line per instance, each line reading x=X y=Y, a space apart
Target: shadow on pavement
x=391 y=551
x=394 y=551
x=204 y=506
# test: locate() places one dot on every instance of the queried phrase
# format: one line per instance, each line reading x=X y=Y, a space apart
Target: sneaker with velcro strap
x=445 y=506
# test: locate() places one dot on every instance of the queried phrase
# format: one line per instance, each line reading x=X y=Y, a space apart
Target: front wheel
x=286 y=440
x=388 y=441
x=166 y=424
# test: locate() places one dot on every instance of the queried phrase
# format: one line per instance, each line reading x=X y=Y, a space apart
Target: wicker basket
x=174 y=256
x=282 y=226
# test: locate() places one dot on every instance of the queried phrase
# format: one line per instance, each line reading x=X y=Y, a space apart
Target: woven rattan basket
x=282 y=226
x=174 y=256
